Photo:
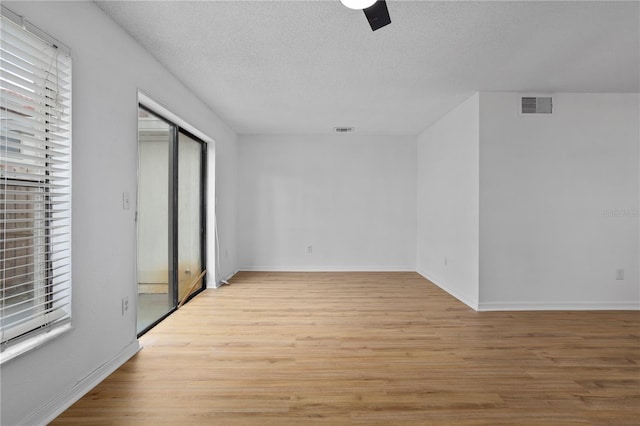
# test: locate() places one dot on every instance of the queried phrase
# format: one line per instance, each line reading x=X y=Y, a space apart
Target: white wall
x=108 y=69
x=351 y=197
x=221 y=198
x=547 y=185
x=447 y=202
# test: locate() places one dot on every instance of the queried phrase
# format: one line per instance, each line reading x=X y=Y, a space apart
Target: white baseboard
x=469 y=301
x=219 y=283
x=328 y=268
x=49 y=411
x=559 y=306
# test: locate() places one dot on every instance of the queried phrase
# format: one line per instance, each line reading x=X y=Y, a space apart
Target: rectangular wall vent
x=536 y=105
x=343 y=129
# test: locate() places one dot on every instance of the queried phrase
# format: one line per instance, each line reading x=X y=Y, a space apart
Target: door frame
x=173 y=222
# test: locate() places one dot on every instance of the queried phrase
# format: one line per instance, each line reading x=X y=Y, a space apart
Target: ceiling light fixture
x=358 y=4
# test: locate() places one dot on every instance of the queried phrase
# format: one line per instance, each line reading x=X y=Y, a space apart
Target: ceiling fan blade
x=378 y=15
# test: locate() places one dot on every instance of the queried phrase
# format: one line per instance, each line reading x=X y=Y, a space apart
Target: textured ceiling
x=308 y=66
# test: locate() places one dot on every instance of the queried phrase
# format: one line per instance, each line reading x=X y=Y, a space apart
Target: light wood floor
x=374 y=349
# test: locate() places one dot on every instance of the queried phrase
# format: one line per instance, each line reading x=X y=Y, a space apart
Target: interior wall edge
x=467 y=300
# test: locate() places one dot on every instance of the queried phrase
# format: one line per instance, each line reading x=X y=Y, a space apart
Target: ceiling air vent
x=343 y=129
x=536 y=105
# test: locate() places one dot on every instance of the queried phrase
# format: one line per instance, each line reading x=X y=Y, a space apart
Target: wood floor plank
x=373 y=349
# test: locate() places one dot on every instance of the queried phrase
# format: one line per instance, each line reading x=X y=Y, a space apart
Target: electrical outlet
x=309 y=249
x=619 y=274
x=125 y=304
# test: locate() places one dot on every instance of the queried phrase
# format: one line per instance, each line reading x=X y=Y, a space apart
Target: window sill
x=20 y=348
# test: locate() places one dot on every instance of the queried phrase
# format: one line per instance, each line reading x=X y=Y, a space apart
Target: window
x=35 y=187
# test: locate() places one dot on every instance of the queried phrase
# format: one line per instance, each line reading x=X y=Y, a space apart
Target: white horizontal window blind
x=35 y=185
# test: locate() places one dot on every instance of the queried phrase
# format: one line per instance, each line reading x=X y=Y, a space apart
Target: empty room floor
x=373 y=349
